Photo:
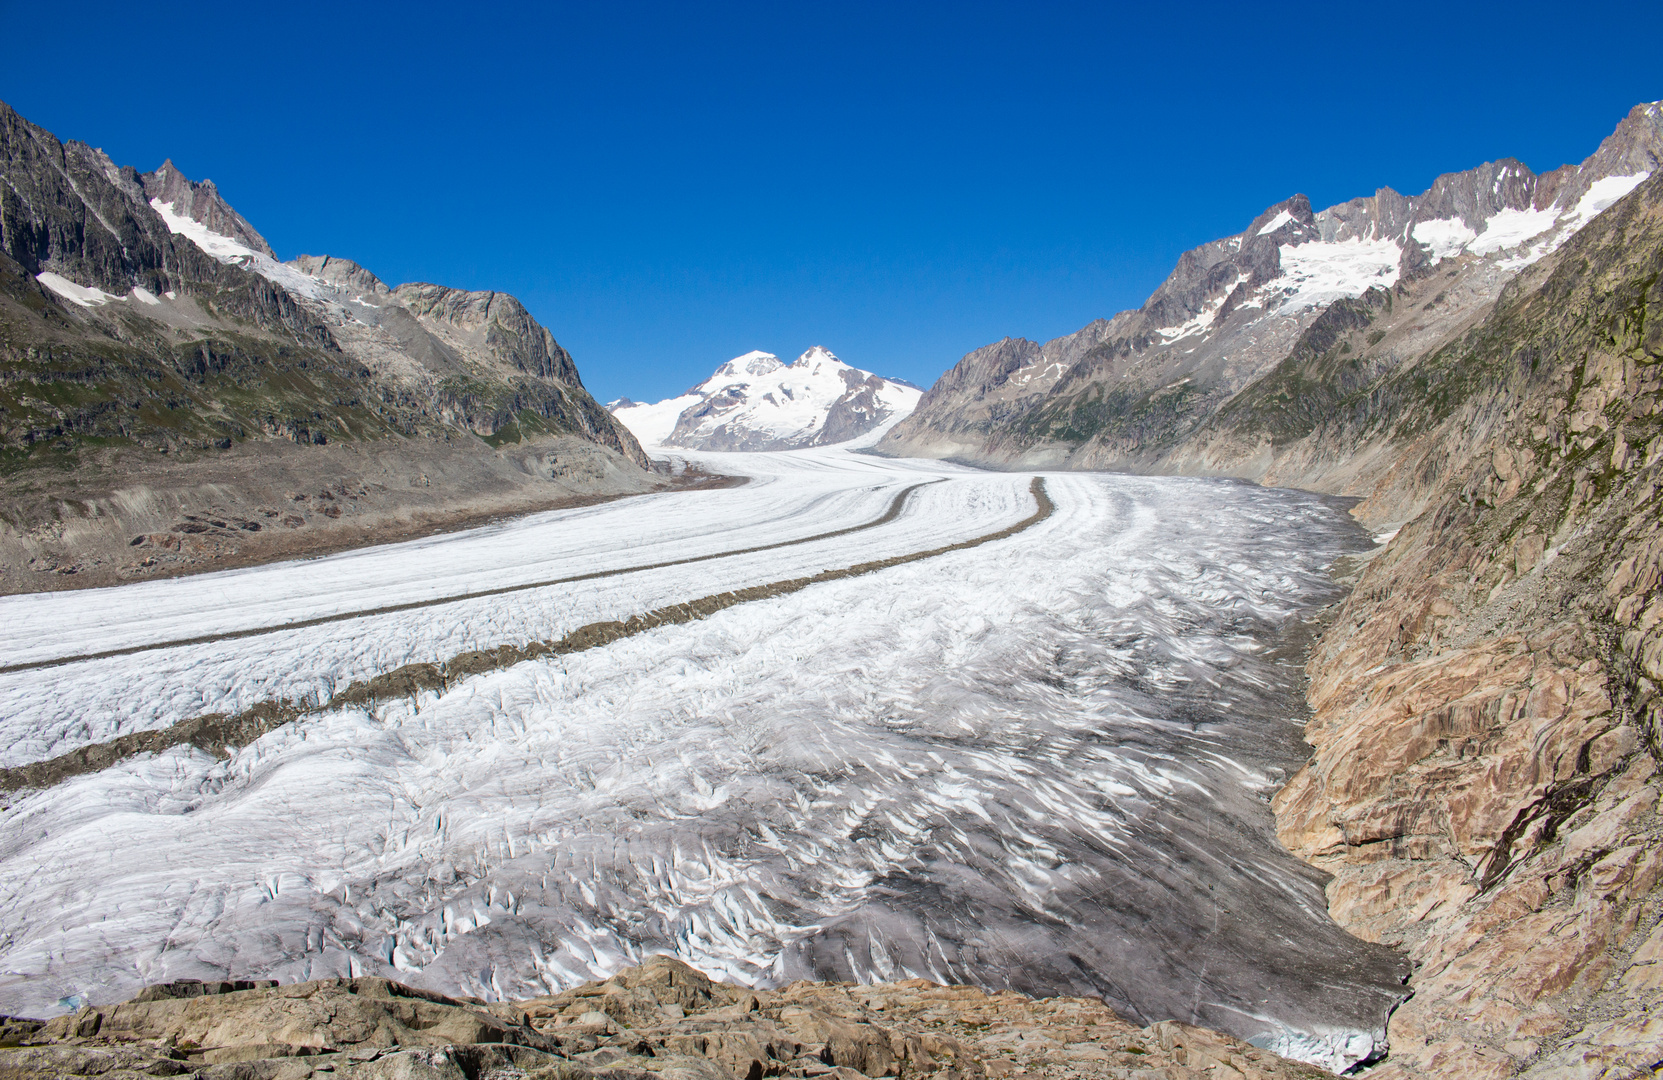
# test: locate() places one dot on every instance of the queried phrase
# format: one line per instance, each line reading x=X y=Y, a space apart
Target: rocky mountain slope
x=1486 y=709
x=662 y=1019
x=755 y=402
x=1484 y=786
x=173 y=397
x=1138 y=390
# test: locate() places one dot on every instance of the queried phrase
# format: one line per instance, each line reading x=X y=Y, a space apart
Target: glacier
x=1041 y=763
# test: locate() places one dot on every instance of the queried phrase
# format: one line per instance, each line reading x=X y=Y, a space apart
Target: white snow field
x=1043 y=762
x=756 y=402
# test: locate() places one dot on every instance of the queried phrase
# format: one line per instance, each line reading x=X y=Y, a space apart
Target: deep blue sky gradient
x=667 y=186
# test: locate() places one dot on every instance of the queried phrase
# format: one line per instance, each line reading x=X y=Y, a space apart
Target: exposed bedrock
x=174 y=399
x=662 y=1019
x=1485 y=720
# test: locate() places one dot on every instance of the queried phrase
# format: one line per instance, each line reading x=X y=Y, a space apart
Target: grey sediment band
x=219 y=733
x=231 y=635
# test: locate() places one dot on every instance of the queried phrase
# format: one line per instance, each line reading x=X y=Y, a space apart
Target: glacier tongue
x=1041 y=763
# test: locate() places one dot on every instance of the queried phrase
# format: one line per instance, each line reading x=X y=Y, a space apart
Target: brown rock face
x=1485 y=706
x=662 y=1019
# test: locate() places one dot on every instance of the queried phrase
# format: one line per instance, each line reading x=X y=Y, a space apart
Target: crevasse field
x=1044 y=762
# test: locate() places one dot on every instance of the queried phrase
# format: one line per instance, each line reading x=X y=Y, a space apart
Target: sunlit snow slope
x=1042 y=762
x=755 y=402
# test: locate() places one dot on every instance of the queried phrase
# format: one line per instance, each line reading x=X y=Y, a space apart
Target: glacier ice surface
x=1041 y=763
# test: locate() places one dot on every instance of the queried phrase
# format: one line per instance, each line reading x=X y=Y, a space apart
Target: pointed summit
x=201 y=203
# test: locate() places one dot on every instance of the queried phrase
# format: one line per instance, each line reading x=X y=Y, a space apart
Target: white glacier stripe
x=54 y=710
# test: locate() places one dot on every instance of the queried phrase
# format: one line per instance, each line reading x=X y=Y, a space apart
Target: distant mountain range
x=1183 y=382
x=756 y=402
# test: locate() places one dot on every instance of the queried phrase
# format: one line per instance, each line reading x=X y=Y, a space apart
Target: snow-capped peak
x=755 y=362
x=755 y=402
x=819 y=354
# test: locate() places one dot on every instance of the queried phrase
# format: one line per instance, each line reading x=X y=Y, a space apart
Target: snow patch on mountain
x=1604 y=192
x=84 y=295
x=1518 y=237
x=1320 y=272
x=758 y=402
x=1281 y=219
x=234 y=253
x=1510 y=228
x=1444 y=237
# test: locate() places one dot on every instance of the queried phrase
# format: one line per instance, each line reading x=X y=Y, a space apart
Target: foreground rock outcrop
x=662 y=1019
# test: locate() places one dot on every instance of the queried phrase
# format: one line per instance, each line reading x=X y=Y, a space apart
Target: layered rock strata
x=662 y=1019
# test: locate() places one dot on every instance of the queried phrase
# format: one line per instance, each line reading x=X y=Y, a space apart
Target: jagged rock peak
x=1232 y=308
x=201 y=202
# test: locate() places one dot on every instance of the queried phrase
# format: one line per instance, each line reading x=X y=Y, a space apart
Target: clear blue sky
x=669 y=186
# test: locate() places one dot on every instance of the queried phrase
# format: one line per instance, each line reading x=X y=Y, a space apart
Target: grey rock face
x=201 y=202
x=65 y=208
x=139 y=369
x=343 y=273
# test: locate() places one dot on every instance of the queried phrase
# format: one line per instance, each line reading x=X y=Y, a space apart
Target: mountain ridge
x=757 y=402
x=1125 y=392
x=1485 y=706
x=163 y=368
